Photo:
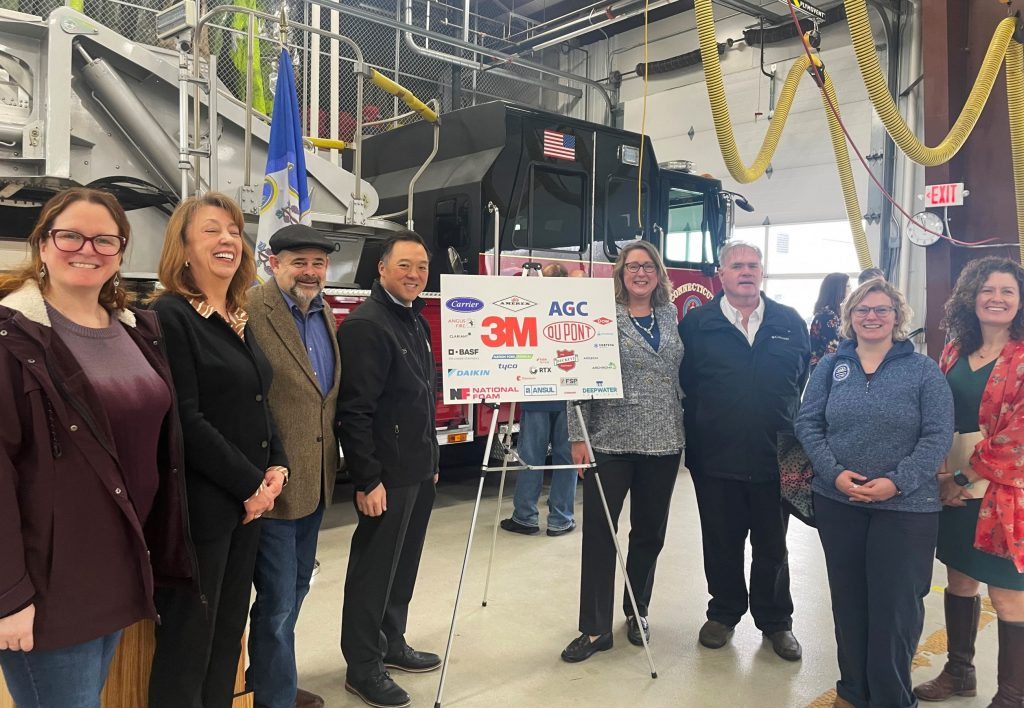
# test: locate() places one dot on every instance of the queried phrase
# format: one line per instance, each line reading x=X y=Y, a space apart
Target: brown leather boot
x=958 y=677
x=1011 y=667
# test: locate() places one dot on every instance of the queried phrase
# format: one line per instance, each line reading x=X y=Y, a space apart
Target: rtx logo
x=568 y=308
x=540 y=369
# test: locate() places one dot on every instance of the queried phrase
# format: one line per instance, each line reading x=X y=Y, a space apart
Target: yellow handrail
x=403 y=94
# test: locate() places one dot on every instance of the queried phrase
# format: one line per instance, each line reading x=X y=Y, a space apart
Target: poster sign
x=513 y=338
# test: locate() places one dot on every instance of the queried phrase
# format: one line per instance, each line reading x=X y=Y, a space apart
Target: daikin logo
x=464 y=304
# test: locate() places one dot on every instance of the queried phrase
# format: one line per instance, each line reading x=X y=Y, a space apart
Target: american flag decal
x=559 y=145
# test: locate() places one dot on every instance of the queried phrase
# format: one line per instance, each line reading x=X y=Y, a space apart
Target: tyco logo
x=464 y=304
x=565 y=359
x=510 y=332
x=514 y=303
x=568 y=308
x=569 y=332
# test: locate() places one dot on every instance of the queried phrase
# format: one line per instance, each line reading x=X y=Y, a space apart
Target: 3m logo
x=510 y=332
x=565 y=359
x=514 y=303
x=572 y=332
x=603 y=320
x=458 y=394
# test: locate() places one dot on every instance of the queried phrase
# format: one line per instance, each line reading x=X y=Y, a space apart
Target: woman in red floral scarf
x=981 y=530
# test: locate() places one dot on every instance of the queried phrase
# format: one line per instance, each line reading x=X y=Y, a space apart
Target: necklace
x=986 y=355
x=647 y=329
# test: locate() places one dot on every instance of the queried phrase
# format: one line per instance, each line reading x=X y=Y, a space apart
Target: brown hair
x=662 y=293
x=900 y=328
x=173 y=273
x=110 y=296
x=961 y=320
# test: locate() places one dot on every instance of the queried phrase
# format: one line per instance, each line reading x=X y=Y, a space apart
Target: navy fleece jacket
x=898 y=425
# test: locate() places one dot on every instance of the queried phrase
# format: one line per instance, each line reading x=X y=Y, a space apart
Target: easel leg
x=465 y=560
x=506 y=446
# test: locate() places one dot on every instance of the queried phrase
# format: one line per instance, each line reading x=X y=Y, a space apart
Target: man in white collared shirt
x=744 y=367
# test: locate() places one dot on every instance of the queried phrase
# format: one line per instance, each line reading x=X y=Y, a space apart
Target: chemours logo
x=464 y=304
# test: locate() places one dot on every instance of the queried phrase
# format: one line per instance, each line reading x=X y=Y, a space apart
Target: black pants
x=382 y=568
x=650 y=481
x=729 y=510
x=879 y=571
x=197 y=647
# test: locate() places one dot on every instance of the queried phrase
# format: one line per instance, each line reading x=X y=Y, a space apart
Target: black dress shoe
x=785 y=644
x=408 y=659
x=561 y=532
x=581 y=648
x=306 y=699
x=633 y=631
x=514 y=526
x=379 y=691
x=715 y=635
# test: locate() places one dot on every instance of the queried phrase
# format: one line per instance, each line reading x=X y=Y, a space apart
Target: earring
x=187 y=264
x=42 y=274
x=117 y=280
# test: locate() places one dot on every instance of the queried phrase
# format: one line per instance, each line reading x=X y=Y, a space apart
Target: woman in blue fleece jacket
x=876 y=423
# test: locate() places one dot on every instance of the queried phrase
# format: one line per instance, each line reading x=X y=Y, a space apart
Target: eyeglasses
x=73 y=242
x=880 y=311
x=635 y=267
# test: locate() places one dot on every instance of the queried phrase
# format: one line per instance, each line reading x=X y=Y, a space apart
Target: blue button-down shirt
x=316 y=339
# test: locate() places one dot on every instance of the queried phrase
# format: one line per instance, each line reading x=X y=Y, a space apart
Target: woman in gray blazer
x=637 y=443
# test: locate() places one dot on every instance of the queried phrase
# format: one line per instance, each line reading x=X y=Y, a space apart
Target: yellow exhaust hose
x=1015 y=99
x=878 y=90
x=727 y=141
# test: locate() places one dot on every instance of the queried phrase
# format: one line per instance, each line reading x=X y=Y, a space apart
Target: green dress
x=956 y=524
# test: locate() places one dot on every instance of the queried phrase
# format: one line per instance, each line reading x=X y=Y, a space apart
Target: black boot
x=1011 y=667
x=958 y=677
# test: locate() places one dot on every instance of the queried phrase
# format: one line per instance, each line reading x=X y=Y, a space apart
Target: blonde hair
x=176 y=277
x=900 y=329
x=662 y=293
x=111 y=296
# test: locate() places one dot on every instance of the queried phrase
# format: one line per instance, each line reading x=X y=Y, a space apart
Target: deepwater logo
x=464 y=304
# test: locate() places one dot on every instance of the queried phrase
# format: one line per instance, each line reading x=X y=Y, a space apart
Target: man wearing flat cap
x=296 y=330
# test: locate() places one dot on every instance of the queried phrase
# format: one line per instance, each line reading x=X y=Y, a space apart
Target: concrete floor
x=507 y=654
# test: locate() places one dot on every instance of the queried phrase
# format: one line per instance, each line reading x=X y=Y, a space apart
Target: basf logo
x=540 y=390
x=565 y=359
x=464 y=304
x=569 y=332
x=463 y=352
x=514 y=303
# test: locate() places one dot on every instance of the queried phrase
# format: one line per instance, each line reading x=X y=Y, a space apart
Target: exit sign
x=944 y=195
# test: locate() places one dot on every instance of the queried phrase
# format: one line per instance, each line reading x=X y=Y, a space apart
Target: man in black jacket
x=385 y=424
x=744 y=367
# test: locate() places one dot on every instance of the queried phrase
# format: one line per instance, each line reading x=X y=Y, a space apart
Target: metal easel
x=510 y=455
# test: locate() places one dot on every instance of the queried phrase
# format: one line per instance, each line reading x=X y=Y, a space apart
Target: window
x=620 y=222
x=555 y=214
x=684 y=240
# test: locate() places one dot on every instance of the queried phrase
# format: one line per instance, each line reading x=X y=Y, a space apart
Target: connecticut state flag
x=285 y=193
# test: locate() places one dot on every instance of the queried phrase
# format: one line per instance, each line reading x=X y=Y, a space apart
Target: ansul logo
x=569 y=332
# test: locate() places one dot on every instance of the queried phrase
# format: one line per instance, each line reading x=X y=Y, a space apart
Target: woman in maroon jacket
x=91 y=498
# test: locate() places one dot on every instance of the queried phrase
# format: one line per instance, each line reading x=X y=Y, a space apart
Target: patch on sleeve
x=841 y=372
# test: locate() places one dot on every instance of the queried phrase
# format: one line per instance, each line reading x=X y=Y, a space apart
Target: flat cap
x=295 y=237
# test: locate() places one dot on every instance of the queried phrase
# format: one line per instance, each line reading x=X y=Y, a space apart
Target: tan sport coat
x=304 y=416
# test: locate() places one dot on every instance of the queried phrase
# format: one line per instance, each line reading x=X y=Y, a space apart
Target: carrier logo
x=572 y=332
x=841 y=372
x=514 y=303
x=464 y=304
x=565 y=359
x=568 y=308
x=603 y=321
x=569 y=382
x=540 y=390
x=591 y=390
x=468 y=372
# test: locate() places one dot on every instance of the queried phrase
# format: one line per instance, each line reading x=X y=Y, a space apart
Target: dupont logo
x=565 y=359
x=569 y=382
x=514 y=303
x=540 y=390
x=571 y=332
x=464 y=304
x=603 y=320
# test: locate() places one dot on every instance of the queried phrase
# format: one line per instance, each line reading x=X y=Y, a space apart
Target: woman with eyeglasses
x=91 y=494
x=981 y=528
x=637 y=441
x=876 y=423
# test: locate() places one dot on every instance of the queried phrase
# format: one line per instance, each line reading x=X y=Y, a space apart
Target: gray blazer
x=648 y=419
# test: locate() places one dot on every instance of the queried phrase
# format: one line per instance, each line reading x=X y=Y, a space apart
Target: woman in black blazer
x=234 y=462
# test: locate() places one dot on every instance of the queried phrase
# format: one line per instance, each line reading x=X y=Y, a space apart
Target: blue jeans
x=71 y=677
x=284 y=565
x=536 y=430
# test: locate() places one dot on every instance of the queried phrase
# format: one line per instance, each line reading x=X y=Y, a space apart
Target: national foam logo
x=841 y=372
